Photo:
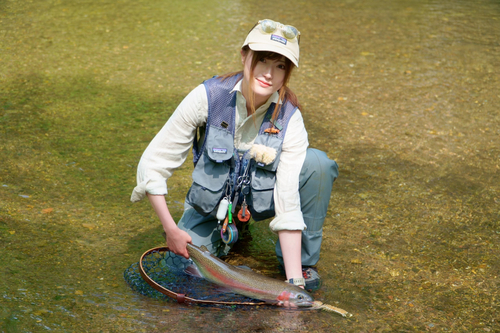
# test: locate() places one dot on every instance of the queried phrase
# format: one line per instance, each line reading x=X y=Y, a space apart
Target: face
x=268 y=76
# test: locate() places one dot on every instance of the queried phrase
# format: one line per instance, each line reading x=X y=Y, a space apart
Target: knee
x=318 y=162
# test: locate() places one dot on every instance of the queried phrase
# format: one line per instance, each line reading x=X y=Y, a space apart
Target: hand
x=177 y=240
x=289 y=305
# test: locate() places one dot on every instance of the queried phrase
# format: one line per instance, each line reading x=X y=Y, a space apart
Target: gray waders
x=315 y=185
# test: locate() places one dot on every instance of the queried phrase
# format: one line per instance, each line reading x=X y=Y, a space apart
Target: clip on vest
x=272 y=130
x=244 y=214
x=222 y=210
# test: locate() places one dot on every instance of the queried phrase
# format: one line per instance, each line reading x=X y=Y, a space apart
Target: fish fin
x=245 y=267
x=224 y=290
x=204 y=248
x=193 y=271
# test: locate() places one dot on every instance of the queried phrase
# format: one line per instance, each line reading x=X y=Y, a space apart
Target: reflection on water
x=403 y=94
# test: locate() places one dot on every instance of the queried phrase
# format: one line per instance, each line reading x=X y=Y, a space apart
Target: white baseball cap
x=268 y=35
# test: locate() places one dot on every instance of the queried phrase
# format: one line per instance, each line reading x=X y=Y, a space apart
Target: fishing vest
x=217 y=162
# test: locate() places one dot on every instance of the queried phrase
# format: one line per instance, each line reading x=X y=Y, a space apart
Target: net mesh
x=167 y=269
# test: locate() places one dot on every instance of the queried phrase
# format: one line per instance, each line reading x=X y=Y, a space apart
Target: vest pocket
x=209 y=179
x=219 y=146
x=261 y=197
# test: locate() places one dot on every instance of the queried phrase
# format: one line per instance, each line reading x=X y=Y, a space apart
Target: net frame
x=181 y=297
x=173 y=274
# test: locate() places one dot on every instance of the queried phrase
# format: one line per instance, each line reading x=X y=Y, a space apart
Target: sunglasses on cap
x=270 y=26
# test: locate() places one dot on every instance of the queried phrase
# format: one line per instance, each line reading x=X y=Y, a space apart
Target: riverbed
x=402 y=94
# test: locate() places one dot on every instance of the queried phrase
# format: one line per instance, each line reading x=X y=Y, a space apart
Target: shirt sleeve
x=286 y=191
x=170 y=147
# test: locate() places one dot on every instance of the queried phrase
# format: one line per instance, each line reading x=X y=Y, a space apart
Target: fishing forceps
x=242 y=182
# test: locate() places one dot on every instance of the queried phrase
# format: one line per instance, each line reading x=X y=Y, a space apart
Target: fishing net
x=166 y=270
x=161 y=274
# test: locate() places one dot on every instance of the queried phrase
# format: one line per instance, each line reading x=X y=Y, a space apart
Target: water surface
x=403 y=94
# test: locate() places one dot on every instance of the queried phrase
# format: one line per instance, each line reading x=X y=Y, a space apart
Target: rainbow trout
x=245 y=281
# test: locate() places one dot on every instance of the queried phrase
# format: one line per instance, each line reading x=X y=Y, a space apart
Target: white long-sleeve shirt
x=170 y=147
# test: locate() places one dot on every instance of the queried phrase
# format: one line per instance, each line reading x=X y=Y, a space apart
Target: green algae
x=402 y=95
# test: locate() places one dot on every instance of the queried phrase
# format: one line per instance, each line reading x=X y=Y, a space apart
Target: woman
x=253 y=153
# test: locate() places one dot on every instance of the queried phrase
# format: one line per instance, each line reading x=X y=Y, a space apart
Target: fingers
x=288 y=305
x=177 y=243
x=185 y=254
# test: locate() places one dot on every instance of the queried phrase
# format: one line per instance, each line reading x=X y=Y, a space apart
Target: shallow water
x=403 y=94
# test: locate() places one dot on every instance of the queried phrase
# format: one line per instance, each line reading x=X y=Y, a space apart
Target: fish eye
x=300 y=297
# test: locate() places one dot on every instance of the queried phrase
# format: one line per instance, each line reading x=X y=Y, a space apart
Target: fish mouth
x=306 y=304
x=297 y=305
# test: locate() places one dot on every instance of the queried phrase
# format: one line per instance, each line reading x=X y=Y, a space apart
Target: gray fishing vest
x=217 y=163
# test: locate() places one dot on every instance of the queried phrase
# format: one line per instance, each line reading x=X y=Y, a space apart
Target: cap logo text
x=279 y=39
